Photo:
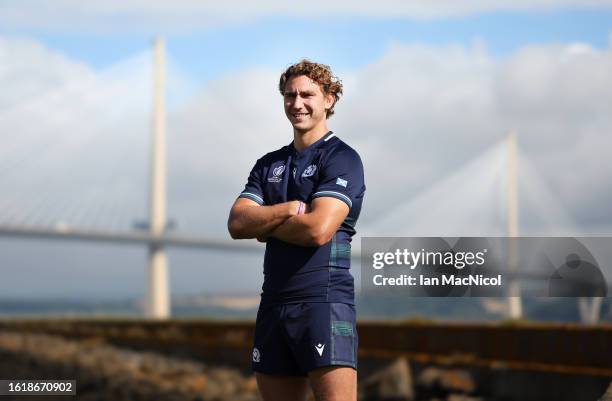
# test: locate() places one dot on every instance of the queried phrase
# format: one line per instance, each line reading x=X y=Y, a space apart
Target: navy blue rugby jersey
x=328 y=167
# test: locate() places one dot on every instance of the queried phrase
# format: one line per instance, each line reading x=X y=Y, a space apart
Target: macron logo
x=320 y=348
x=342 y=182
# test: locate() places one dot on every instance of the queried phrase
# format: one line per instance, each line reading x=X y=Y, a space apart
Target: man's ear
x=330 y=99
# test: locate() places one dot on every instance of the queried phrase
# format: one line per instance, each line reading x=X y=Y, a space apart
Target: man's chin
x=301 y=128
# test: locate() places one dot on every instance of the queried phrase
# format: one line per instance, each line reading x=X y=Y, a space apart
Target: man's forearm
x=258 y=221
x=299 y=230
x=316 y=227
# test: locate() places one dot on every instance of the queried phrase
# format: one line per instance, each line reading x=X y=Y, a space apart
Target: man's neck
x=303 y=140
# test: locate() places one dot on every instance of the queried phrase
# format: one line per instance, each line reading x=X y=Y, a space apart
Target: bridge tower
x=157 y=303
x=514 y=291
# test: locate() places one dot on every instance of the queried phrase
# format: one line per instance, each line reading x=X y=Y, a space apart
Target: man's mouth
x=297 y=115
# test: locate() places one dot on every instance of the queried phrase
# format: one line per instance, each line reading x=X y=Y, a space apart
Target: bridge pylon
x=157 y=305
x=515 y=309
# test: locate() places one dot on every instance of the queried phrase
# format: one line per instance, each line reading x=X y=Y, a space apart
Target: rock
x=429 y=377
x=456 y=380
x=106 y=372
x=250 y=385
x=462 y=397
x=197 y=383
x=607 y=396
x=447 y=380
x=394 y=382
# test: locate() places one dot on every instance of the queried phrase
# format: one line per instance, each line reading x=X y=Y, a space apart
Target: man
x=303 y=200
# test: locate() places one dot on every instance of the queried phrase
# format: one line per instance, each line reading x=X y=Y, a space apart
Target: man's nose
x=298 y=102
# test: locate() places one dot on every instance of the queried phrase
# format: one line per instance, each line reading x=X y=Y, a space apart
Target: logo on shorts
x=256 y=355
x=277 y=174
x=310 y=170
x=319 y=347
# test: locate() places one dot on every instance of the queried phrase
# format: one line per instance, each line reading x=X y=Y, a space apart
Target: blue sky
x=346 y=43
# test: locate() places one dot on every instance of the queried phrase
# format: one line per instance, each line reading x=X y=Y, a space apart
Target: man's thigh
x=334 y=383
x=282 y=388
x=322 y=334
x=272 y=354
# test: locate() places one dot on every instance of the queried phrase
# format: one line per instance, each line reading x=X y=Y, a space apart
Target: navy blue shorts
x=293 y=339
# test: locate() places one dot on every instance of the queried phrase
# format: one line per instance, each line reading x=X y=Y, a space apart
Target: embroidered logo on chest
x=277 y=174
x=310 y=170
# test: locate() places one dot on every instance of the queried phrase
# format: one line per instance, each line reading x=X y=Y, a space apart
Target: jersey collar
x=324 y=139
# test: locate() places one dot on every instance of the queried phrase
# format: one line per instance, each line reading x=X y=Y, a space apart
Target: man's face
x=305 y=103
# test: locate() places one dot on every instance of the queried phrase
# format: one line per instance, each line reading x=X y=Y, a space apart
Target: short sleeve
x=253 y=189
x=341 y=177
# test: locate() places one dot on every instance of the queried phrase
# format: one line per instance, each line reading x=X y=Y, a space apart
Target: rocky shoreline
x=105 y=372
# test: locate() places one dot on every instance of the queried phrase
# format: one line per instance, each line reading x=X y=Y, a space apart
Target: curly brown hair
x=320 y=73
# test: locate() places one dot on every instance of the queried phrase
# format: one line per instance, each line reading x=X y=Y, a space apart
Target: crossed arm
x=316 y=227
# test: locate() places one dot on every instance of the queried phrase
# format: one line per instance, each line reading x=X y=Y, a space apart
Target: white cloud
x=29 y=69
x=417 y=115
x=184 y=15
x=75 y=141
x=67 y=131
x=431 y=109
